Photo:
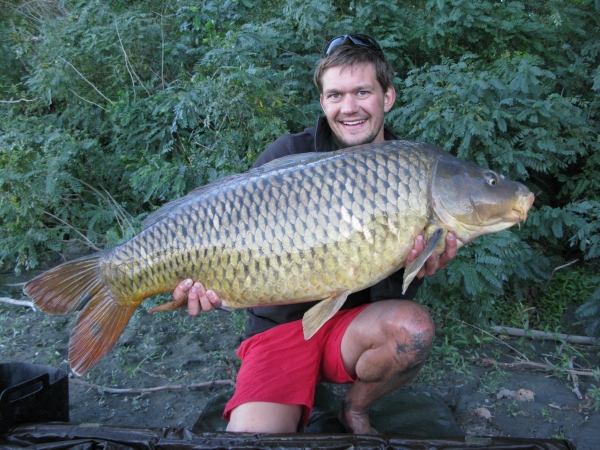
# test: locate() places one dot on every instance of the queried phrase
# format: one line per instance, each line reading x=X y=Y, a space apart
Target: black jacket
x=319 y=139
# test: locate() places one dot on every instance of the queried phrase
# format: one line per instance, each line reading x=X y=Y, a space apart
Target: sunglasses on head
x=361 y=40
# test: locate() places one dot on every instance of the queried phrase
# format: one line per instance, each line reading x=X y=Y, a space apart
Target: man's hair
x=348 y=55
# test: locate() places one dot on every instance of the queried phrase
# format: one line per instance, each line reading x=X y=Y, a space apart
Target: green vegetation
x=111 y=108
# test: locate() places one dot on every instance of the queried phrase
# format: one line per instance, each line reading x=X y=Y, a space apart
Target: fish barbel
x=301 y=228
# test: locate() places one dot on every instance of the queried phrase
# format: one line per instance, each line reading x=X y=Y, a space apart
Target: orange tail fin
x=76 y=286
x=66 y=288
x=96 y=331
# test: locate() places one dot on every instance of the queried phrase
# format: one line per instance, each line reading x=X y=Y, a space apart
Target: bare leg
x=385 y=346
x=265 y=417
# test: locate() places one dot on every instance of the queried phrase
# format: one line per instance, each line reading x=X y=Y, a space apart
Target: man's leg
x=385 y=346
x=265 y=417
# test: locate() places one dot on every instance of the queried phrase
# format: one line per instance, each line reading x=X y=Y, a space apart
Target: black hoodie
x=319 y=139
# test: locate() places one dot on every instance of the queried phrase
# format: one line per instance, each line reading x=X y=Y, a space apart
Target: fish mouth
x=522 y=207
x=517 y=214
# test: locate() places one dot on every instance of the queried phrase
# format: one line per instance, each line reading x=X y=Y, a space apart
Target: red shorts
x=279 y=366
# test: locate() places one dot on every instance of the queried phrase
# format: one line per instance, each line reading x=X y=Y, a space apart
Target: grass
x=546 y=310
x=551 y=310
x=547 y=415
x=238 y=321
x=594 y=393
x=492 y=381
x=514 y=409
x=132 y=371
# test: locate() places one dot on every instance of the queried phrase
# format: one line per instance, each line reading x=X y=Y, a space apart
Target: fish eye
x=491 y=178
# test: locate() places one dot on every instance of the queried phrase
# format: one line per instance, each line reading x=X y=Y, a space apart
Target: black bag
x=31 y=393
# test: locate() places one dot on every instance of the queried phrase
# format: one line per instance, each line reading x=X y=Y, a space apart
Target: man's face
x=355 y=104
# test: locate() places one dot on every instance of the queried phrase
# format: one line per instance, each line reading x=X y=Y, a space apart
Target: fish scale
x=302 y=228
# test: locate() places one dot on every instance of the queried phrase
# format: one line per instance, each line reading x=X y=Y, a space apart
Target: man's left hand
x=434 y=262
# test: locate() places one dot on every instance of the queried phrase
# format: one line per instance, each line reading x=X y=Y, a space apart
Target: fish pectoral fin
x=316 y=316
x=413 y=268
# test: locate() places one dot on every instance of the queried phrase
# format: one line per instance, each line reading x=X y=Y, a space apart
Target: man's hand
x=434 y=262
x=199 y=299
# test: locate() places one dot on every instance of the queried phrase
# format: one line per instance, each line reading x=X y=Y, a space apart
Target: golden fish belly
x=289 y=269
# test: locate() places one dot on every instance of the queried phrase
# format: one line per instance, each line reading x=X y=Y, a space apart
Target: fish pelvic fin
x=316 y=316
x=97 y=330
x=413 y=268
x=169 y=306
x=78 y=286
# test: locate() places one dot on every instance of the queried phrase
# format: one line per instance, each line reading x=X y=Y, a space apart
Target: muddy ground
x=173 y=348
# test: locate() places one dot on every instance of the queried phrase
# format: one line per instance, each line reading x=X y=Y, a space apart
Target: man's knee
x=410 y=328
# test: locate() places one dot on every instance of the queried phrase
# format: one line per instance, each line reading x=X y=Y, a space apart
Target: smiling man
x=380 y=339
x=354 y=104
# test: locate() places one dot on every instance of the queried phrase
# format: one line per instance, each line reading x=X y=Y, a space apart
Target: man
x=380 y=339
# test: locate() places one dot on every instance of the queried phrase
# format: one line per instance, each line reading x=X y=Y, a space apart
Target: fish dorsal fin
x=295 y=160
x=413 y=268
x=272 y=166
x=310 y=157
x=316 y=316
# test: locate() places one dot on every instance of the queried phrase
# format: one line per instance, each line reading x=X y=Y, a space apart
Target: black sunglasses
x=361 y=40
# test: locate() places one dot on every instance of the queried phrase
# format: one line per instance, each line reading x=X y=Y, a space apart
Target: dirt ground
x=173 y=348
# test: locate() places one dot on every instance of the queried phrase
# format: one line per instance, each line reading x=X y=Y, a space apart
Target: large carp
x=300 y=228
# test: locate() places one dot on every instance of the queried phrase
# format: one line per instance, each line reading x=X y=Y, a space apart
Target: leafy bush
x=110 y=109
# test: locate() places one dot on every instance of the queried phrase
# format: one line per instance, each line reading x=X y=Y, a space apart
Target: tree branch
x=575 y=379
x=556 y=269
x=492 y=336
x=169 y=387
x=519 y=365
x=18 y=101
x=534 y=334
x=10 y=301
x=162 y=53
x=88 y=81
x=128 y=64
x=88 y=101
x=87 y=241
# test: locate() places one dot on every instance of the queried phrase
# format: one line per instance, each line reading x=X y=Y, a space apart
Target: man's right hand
x=199 y=299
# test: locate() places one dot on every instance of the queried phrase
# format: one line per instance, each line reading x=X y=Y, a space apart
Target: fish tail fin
x=66 y=288
x=97 y=330
x=78 y=286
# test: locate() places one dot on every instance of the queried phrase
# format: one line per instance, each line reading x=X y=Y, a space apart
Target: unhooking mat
x=407 y=420
x=406 y=411
x=74 y=437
